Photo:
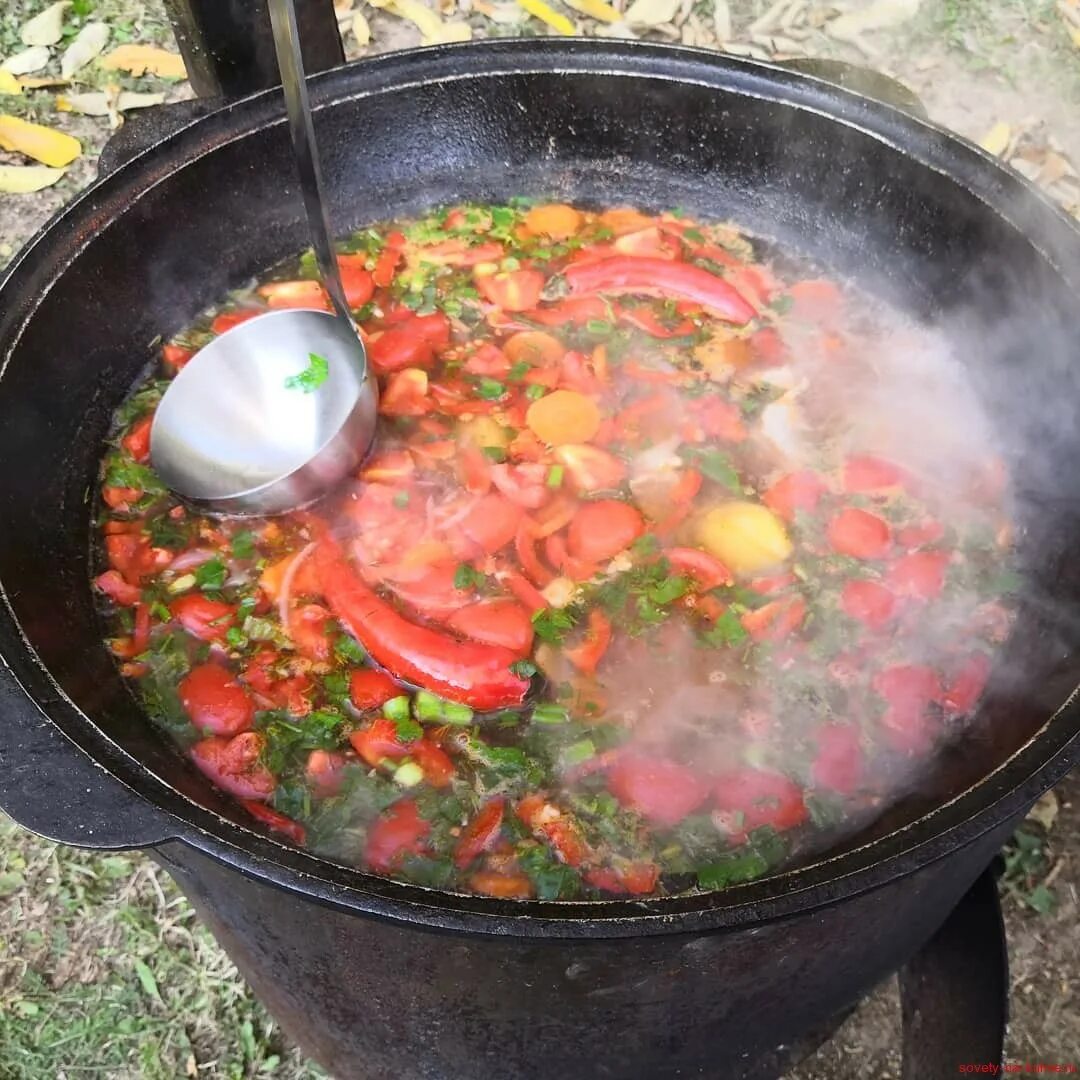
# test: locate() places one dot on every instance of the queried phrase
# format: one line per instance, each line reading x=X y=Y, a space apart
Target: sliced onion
x=188 y=560
x=285 y=596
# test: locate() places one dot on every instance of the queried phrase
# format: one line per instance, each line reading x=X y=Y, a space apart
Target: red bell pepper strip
x=464 y=671
x=590 y=651
x=660 y=277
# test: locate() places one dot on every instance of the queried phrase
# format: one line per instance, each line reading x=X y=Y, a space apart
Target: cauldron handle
x=954 y=994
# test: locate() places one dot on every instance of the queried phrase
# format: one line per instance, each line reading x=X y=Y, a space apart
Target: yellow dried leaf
x=9 y=84
x=43 y=144
x=96 y=104
x=1045 y=811
x=996 y=140
x=546 y=14
x=47 y=27
x=42 y=82
x=360 y=29
x=139 y=59
x=505 y=14
x=1074 y=33
x=433 y=31
x=87 y=46
x=595 y=9
x=651 y=12
x=876 y=16
x=24 y=179
x=23 y=63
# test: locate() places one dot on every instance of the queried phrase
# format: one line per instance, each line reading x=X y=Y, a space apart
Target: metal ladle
x=236 y=432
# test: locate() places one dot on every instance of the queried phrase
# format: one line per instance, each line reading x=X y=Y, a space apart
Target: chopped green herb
x=523 y=669
x=122 y=472
x=465 y=577
x=349 y=650
x=649 y=544
x=518 y=371
x=489 y=389
x=408 y=730
x=534 y=392
x=312 y=377
x=553 y=624
x=210 y=576
x=726 y=630
x=494 y=453
x=234 y=637
x=782 y=303
x=716 y=465
x=243 y=545
x=165 y=531
x=401 y=499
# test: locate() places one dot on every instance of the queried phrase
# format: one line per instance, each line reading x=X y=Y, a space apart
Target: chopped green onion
x=243 y=544
x=234 y=636
x=599 y=326
x=535 y=392
x=550 y=713
x=555 y=476
x=489 y=389
x=430 y=709
x=401 y=499
x=408 y=774
x=523 y=669
x=453 y=713
x=580 y=751
x=181 y=584
x=518 y=371
x=397 y=708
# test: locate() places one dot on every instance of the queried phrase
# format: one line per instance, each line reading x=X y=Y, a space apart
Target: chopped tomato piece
x=924 y=533
x=176 y=357
x=920 y=574
x=498 y=621
x=589 y=469
x=215 y=700
x=324 y=772
x=400 y=831
x=437 y=764
x=378 y=741
x=206 y=619
x=524 y=485
x=113 y=585
x=603 y=529
x=860 y=534
x=491 y=524
x=400 y=348
x=658 y=788
x=511 y=290
x=525 y=549
x=371 y=689
x=967 y=684
x=480 y=834
x=707 y=571
x=233 y=764
x=405 y=393
x=909 y=690
x=867 y=473
x=795 y=492
x=228 y=319
x=762 y=797
x=588 y=654
x=775 y=620
x=868 y=601
x=308 y=628
x=278 y=822
x=554 y=825
x=356 y=280
x=502 y=886
x=295 y=294
x=137 y=441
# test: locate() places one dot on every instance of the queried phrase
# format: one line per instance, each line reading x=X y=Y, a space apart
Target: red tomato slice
x=215 y=701
x=798 y=491
x=233 y=764
x=920 y=535
x=401 y=347
x=386 y=265
x=432 y=592
x=588 y=654
x=525 y=549
x=480 y=834
x=356 y=280
x=278 y=822
x=113 y=585
x=437 y=764
x=909 y=689
x=868 y=601
x=555 y=826
x=762 y=797
x=208 y=620
x=839 y=761
x=491 y=524
x=707 y=571
x=325 y=772
x=588 y=469
x=776 y=620
x=176 y=356
x=860 y=534
x=295 y=294
x=308 y=630
x=920 y=575
x=501 y=886
x=602 y=529
x=377 y=741
x=499 y=621
x=227 y=320
x=657 y=788
x=137 y=441
x=371 y=689
x=525 y=484
x=488 y=359
x=719 y=419
x=967 y=684
x=511 y=290
x=867 y=473
x=400 y=831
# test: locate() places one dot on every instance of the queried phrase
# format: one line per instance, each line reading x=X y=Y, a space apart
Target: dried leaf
x=360 y=29
x=595 y=9
x=42 y=82
x=1045 y=811
x=139 y=59
x=47 y=27
x=130 y=99
x=505 y=14
x=1074 y=34
x=721 y=20
x=1054 y=168
x=876 y=16
x=433 y=31
x=87 y=46
x=95 y=104
x=996 y=140
x=769 y=18
x=24 y=179
x=651 y=12
x=9 y=84
x=546 y=14
x=27 y=61
x=43 y=144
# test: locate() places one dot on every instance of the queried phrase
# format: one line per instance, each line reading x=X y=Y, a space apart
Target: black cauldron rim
x=166 y=815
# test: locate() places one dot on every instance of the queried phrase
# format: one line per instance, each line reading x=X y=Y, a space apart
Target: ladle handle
x=302 y=132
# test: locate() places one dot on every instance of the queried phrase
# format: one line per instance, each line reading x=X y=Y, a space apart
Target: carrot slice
x=556 y=220
x=533 y=347
x=564 y=416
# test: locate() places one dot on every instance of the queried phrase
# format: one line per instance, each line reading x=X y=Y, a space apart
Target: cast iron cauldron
x=380 y=979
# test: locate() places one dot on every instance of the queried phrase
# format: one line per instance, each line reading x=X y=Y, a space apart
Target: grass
x=105 y=972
